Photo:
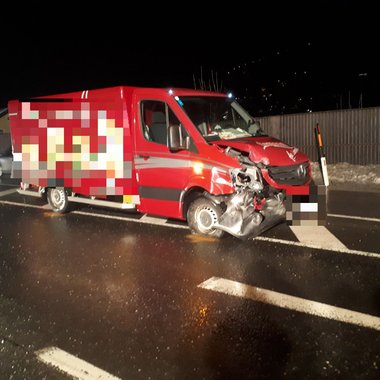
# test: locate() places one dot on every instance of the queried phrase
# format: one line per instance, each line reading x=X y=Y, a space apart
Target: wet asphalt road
x=124 y=297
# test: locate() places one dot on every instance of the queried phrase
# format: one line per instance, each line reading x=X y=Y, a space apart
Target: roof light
x=179 y=101
x=230 y=95
x=170 y=92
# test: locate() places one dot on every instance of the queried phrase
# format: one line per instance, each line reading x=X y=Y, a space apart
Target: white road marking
x=7 y=192
x=146 y=220
x=19 y=204
x=355 y=217
x=286 y=301
x=153 y=220
x=72 y=365
x=317 y=235
x=299 y=244
x=259 y=238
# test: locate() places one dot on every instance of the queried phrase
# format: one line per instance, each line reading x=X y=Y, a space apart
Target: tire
x=57 y=199
x=201 y=216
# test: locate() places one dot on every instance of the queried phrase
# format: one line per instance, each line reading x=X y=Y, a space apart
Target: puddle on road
x=201 y=238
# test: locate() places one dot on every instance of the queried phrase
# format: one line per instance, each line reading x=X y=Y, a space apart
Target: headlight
x=247 y=178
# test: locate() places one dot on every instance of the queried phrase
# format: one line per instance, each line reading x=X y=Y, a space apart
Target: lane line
x=126 y=219
x=317 y=235
x=354 y=217
x=20 y=204
x=299 y=244
x=286 y=301
x=7 y=192
x=72 y=365
x=375 y=255
x=153 y=220
x=144 y=220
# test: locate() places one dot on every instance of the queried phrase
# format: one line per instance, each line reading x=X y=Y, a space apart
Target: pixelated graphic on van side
x=68 y=143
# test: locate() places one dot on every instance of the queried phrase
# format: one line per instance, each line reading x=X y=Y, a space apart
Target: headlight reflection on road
x=202 y=314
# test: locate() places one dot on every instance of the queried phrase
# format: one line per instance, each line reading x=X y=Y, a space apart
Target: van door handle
x=144 y=157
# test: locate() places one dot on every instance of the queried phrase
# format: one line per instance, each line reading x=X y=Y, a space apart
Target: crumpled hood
x=267 y=150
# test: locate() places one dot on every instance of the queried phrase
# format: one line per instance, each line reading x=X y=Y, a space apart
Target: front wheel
x=202 y=216
x=57 y=199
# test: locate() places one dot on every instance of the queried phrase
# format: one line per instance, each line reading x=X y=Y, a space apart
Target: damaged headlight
x=249 y=177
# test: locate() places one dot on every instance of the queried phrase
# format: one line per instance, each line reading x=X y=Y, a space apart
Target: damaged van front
x=267 y=170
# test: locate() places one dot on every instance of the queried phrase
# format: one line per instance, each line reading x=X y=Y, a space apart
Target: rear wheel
x=202 y=216
x=57 y=199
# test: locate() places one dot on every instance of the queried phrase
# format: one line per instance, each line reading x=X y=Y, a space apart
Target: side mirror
x=176 y=140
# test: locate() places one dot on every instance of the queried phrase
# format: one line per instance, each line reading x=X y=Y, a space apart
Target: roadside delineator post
x=321 y=155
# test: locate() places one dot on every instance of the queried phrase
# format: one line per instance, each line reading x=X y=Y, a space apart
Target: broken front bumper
x=242 y=220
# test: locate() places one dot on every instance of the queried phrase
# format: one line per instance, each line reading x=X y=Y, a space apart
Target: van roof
x=119 y=92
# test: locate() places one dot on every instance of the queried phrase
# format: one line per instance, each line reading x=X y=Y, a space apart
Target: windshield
x=219 y=117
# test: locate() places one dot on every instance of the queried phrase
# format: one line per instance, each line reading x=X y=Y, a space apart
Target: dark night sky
x=319 y=52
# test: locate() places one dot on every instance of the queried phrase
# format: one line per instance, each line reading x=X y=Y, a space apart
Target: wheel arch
x=189 y=196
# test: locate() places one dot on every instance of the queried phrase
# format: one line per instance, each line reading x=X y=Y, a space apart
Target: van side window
x=156 y=116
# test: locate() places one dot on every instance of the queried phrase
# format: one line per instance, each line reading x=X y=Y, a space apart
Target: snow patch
x=347 y=173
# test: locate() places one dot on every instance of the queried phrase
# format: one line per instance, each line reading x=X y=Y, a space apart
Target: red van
x=178 y=153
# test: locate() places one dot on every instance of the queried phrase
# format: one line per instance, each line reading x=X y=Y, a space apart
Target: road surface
x=102 y=294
